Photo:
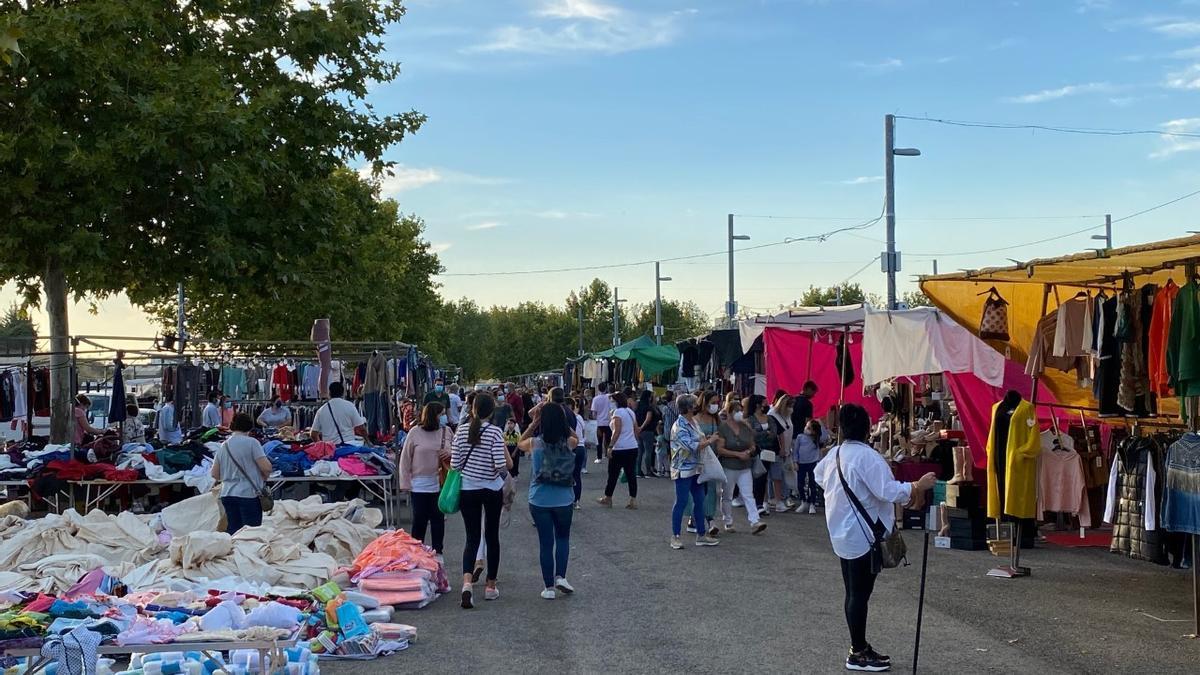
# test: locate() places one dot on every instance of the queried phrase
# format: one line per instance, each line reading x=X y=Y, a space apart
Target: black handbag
x=887 y=550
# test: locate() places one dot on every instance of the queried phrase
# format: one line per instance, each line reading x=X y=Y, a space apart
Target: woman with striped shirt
x=482 y=457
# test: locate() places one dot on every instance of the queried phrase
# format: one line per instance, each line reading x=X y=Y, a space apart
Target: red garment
x=41 y=604
x=319 y=450
x=281 y=383
x=77 y=470
x=1160 y=325
x=120 y=475
x=518 y=406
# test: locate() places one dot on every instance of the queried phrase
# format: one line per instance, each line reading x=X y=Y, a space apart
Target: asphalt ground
x=773 y=604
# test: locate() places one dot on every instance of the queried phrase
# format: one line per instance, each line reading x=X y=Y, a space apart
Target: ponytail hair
x=481 y=411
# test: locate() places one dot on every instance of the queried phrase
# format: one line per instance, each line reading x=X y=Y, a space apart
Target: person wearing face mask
x=427 y=450
x=765 y=439
x=708 y=421
x=226 y=411
x=275 y=416
x=736 y=452
x=438 y=395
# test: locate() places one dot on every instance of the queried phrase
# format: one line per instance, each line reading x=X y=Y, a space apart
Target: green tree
x=916 y=299
x=376 y=285
x=680 y=320
x=17 y=332
x=464 y=338
x=852 y=294
x=596 y=301
x=146 y=143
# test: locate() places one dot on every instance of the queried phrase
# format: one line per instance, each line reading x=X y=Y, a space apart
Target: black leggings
x=760 y=486
x=427 y=514
x=860 y=582
x=622 y=459
x=477 y=506
x=603 y=439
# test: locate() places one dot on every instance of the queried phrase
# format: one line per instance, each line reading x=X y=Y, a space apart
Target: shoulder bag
x=443 y=467
x=448 y=499
x=265 y=500
x=887 y=550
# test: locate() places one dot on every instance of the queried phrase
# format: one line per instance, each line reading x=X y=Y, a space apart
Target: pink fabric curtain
x=975 y=399
x=788 y=367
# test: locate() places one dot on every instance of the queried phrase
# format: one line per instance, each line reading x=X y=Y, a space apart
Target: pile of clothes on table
x=296 y=454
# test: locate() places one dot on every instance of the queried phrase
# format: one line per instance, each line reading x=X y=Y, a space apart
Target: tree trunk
x=55 y=284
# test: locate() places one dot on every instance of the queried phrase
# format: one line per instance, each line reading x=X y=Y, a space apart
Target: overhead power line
x=1087 y=131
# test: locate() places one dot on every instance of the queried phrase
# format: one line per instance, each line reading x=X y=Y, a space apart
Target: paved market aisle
x=772 y=604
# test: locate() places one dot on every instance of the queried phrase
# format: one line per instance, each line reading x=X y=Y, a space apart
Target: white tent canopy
x=906 y=343
x=802 y=319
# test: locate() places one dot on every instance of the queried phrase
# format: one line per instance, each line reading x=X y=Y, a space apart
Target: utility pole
x=581 y=329
x=658 y=279
x=891 y=258
x=731 y=307
x=935 y=267
x=616 y=318
x=179 y=322
x=1107 y=236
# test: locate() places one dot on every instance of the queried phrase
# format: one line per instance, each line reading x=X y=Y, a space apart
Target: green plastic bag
x=451 y=489
x=624 y=478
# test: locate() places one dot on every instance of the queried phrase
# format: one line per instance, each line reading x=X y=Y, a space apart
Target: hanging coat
x=1021 y=463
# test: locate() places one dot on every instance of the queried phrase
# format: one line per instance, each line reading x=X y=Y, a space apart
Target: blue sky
x=567 y=133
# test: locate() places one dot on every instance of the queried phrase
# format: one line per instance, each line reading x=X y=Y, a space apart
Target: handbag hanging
x=448 y=499
x=265 y=500
x=887 y=550
x=994 y=323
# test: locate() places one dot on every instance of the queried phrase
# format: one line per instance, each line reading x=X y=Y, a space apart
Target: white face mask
x=738 y=417
x=712 y=409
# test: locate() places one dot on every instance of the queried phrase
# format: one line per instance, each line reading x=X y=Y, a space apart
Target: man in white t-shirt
x=602 y=413
x=338 y=421
x=454 y=414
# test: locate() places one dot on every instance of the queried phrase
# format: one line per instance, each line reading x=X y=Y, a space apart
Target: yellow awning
x=962 y=295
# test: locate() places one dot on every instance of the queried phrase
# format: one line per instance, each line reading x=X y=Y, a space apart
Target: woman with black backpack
x=551 y=491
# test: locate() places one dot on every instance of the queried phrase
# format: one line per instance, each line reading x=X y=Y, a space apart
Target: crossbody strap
x=864 y=516
x=333 y=416
x=238 y=465
x=470 y=450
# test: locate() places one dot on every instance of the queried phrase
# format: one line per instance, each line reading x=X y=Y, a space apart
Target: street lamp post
x=616 y=317
x=731 y=306
x=658 y=279
x=1107 y=236
x=891 y=257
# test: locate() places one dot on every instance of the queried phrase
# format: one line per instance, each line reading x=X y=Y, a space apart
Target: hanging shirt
x=1160 y=328
x=1061 y=484
x=168 y=425
x=1181 y=498
x=1070 y=336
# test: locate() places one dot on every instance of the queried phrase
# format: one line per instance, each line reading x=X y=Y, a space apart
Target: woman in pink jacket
x=426 y=449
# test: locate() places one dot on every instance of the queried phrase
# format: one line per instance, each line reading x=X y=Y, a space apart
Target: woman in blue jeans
x=551 y=504
x=687 y=459
x=242 y=469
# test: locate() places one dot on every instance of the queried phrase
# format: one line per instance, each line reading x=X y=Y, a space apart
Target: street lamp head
x=664 y=278
x=741 y=237
x=907 y=152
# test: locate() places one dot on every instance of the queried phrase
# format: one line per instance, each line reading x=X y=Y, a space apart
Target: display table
x=382 y=487
x=96 y=491
x=269 y=652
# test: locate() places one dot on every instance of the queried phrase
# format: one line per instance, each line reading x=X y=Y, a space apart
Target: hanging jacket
x=1133 y=501
x=1021 y=464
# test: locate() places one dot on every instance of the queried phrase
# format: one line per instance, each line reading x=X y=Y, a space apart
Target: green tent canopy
x=651 y=358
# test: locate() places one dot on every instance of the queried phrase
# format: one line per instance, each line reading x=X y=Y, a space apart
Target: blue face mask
x=440 y=388
x=443 y=420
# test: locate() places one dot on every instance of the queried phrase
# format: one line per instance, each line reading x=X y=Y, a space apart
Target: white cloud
x=1172 y=145
x=579 y=9
x=1188 y=78
x=578 y=26
x=440 y=247
x=555 y=214
x=1062 y=92
x=883 y=66
x=1085 y=6
x=406 y=178
x=861 y=180
x=1178 y=28
x=486 y=225
x=1123 y=101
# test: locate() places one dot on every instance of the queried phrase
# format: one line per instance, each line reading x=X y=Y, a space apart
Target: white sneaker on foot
x=561 y=584
x=758 y=528
x=676 y=543
x=596 y=462
x=583 y=470
x=548 y=594
x=491 y=593
x=812 y=509
x=803 y=508
x=780 y=508
x=706 y=540
x=738 y=502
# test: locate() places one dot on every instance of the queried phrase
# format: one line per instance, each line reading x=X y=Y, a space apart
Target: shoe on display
x=802 y=508
x=706 y=541
x=561 y=584
x=758 y=528
x=548 y=594
x=676 y=543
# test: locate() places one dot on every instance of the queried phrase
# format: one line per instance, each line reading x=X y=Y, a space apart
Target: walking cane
x=921 y=601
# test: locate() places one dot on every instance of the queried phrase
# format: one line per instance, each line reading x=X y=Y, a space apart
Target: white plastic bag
x=711 y=471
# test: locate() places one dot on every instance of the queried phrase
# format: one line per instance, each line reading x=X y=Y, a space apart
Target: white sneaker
x=583 y=470
x=812 y=509
x=803 y=508
x=596 y=462
x=548 y=594
x=676 y=543
x=691 y=529
x=561 y=584
x=491 y=593
x=738 y=502
x=780 y=508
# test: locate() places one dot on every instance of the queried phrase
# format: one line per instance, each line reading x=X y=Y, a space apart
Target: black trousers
x=860 y=583
x=622 y=459
x=760 y=486
x=603 y=439
x=481 y=509
x=426 y=515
